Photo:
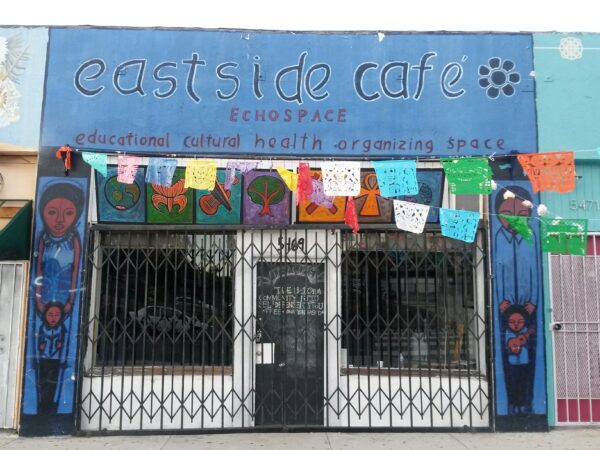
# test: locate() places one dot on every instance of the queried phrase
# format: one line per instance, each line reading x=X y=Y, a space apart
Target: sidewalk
x=580 y=438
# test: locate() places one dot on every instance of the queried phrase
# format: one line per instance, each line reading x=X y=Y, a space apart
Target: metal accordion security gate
x=281 y=329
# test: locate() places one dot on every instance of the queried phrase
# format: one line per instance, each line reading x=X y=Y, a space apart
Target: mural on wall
x=173 y=204
x=119 y=202
x=266 y=198
x=431 y=191
x=371 y=207
x=568 y=65
x=221 y=205
x=309 y=94
x=22 y=66
x=311 y=212
x=518 y=313
x=54 y=296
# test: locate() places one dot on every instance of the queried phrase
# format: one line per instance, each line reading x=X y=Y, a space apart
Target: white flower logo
x=13 y=55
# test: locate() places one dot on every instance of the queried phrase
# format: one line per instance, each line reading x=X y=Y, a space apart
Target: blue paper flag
x=97 y=160
x=160 y=171
x=396 y=177
x=458 y=224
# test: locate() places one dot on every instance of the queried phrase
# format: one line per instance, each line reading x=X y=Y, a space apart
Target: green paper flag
x=564 y=236
x=468 y=175
x=520 y=225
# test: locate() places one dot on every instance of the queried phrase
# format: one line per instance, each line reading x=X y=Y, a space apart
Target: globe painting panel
x=118 y=202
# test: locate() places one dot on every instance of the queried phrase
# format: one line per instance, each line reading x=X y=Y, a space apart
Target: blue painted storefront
x=298 y=95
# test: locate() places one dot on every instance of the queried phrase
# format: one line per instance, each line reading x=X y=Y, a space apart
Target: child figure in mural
x=57 y=264
x=517 y=285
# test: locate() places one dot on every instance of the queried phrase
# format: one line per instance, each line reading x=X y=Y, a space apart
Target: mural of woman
x=517 y=294
x=56 y=271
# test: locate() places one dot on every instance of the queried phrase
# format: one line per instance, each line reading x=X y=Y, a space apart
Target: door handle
x=282 y=364
x=557 y=327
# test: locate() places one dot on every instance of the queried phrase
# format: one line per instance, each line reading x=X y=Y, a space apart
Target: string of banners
x=553 y=171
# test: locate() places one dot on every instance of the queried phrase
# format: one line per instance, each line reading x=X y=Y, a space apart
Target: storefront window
x=410 y=301
x=163 y=299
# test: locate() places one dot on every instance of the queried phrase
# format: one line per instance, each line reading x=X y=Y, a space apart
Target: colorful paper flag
x=396 y=177
x=127 y=168
x=98 y=161
x=160 y=171
x=520 y=225
x=410 y=216
x=305 y=186
x=243 y=166
x=341 y=178
x=201 y=174
x=350 y=216
x=289 y=178
x=459 y=224
x=564 y=236
x=468 y=175
x=553 y=171
x=318 y=195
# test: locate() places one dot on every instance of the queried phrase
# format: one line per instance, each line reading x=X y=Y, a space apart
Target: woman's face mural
x=512 y=207
x=59 y=215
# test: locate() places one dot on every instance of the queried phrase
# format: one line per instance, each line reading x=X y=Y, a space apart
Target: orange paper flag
x=550 y=171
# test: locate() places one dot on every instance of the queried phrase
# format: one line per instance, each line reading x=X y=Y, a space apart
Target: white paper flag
x=341 y=178
x=410 y=216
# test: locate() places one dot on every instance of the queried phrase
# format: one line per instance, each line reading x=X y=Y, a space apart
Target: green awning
x=15 y=237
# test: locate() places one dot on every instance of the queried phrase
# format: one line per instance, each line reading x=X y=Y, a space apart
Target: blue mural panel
x=278 y=93
x=431 y=189
x=22 y=65
x=54 y=296
x=518 y=313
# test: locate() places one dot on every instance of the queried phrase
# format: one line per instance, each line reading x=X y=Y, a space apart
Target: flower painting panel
x=173 y=204
x=221 y=205
x=316 y=210
x=119 y=202
x=266 y=198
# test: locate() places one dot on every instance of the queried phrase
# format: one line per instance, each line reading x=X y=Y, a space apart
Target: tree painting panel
x=173 y=204
x=54 y=296
x=371 y=207
x=266 y=198
x=118 y=202
x=220 y=206
x=311 y=212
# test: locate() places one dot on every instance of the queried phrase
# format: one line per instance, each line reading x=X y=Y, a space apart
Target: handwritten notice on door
x=290 y=289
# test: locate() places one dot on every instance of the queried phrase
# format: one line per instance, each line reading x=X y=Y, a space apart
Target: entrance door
x=289 y=343
x=576 y=335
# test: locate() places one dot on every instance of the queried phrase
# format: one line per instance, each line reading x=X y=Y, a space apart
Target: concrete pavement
x=570 y=439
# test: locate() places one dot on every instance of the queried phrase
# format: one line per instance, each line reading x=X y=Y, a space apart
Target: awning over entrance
x=15 y=237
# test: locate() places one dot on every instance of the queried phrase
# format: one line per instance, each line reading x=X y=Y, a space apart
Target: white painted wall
x=13 y=278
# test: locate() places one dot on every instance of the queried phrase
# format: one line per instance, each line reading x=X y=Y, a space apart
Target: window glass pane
x=409 y=300
x=165 y=299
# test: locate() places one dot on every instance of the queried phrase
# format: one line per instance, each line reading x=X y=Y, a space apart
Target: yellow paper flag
x=289 y=178
x=201 y=174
